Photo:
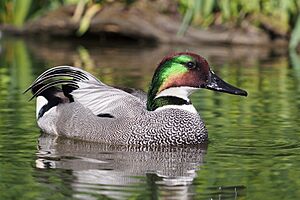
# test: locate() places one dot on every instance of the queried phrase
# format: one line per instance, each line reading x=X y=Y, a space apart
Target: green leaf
x=295 y=36
x=21 y=11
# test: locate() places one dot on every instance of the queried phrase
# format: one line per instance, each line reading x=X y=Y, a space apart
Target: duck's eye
x=191 y=65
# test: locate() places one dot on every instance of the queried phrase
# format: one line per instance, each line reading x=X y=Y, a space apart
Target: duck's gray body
x=102 y=113
x=165 y=127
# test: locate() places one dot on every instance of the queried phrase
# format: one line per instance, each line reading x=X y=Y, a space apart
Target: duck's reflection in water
x=120 y=171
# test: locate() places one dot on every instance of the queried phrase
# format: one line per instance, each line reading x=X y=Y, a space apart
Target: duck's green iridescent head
x=178 y=74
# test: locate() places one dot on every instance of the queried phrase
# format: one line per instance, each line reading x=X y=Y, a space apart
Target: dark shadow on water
x=52 y=50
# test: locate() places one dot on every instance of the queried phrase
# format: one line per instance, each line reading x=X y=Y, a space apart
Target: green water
x=254 y=149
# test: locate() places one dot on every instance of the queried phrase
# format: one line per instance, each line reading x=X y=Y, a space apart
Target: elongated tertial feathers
x=59 y=76
x=65 y=84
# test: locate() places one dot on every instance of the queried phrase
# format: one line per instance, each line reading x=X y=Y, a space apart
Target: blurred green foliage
x=208 y=12
x=18 y=11
x=277 y=16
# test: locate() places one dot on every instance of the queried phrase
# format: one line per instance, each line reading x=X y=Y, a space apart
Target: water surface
x=254 y=149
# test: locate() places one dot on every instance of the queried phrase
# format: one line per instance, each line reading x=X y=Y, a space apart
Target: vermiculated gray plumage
x=165 y=127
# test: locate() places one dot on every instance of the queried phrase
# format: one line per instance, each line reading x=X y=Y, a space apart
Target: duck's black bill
x=217 y=84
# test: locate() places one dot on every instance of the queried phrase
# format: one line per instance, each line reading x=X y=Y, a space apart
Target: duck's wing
x=140 y=94
x=73 y=84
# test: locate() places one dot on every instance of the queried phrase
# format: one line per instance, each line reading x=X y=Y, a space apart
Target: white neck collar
x=182 y=92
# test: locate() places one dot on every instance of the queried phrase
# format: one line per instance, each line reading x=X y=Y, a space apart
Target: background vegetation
x=279 y=18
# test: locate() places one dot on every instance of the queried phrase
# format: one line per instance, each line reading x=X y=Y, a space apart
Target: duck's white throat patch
x=182 y=92
x=189 y=108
